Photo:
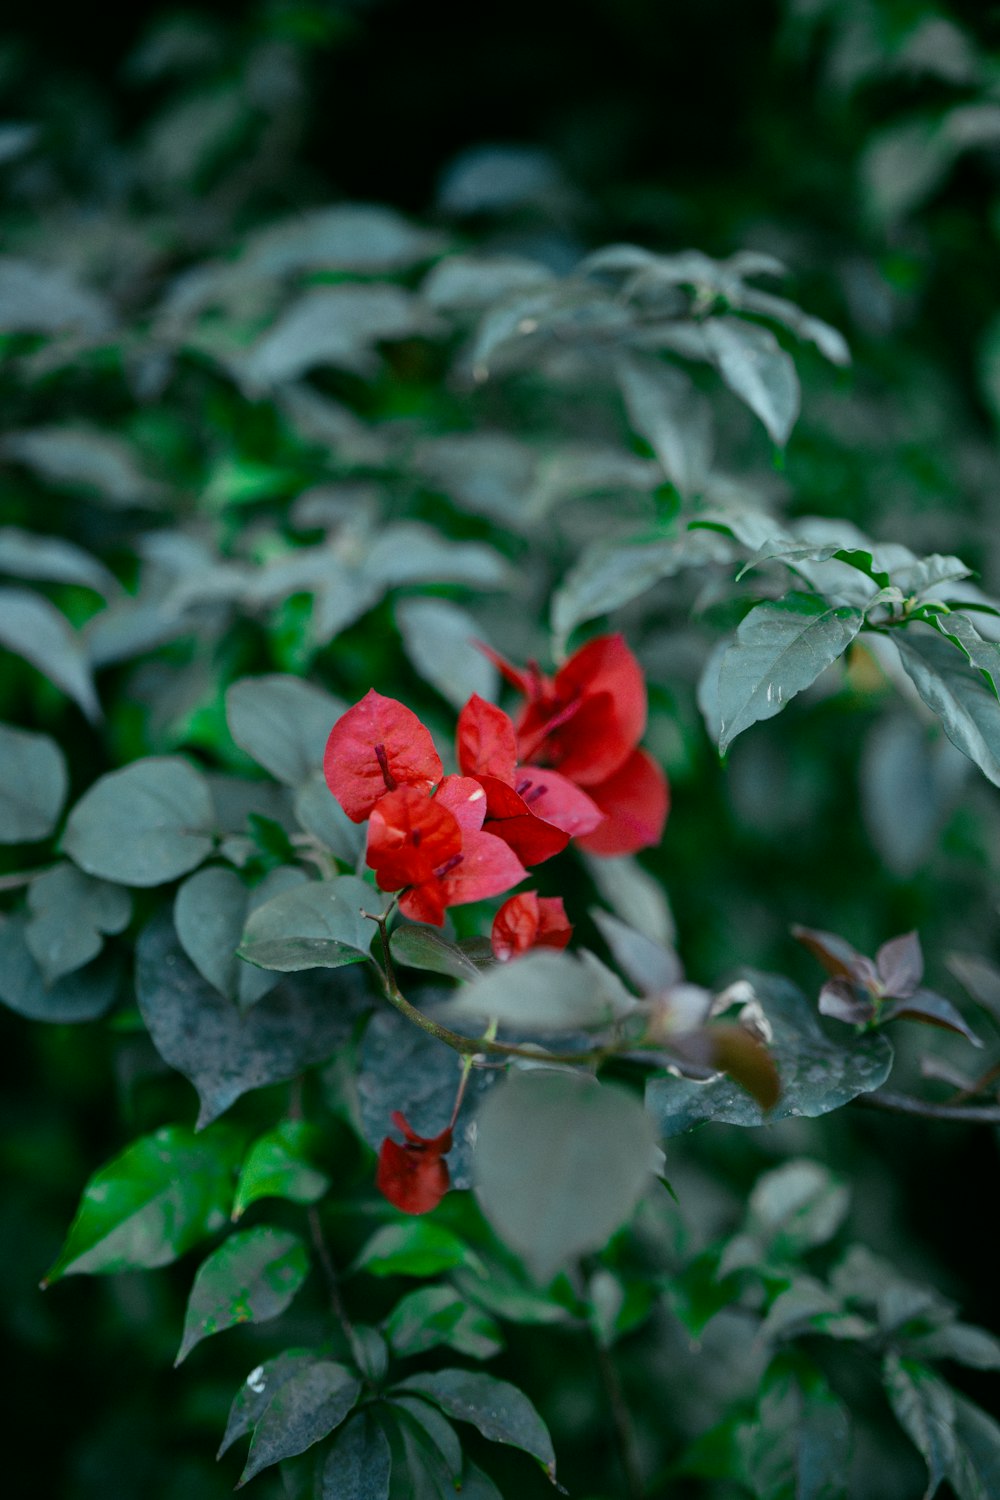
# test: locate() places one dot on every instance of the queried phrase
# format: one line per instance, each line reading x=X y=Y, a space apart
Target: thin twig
x=329 y=1270
x=622 y=1421
x=905 y=1104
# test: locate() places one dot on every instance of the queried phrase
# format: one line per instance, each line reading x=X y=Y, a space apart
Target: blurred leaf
x=38 y=298
x=651 y=967
x=758 y=371
x=251 y=1278
x=675 y=420
x=33 y=784
x=33 y=628
x=306 y=1406
x=411 y=553
x=332 y=325
x=800 y=1443
x=316 y=925
x=590 y=1150
x=413 y=1247
x=163 y=1194
x=142 y=825
x=85 y=459
x=781 y=647
x=283 y=723
x=358 y=1464
x=368 y=237
x=211 y=909
x=280 y=1165
x=81 y=996
x=224 y=1051
x=796 y=1207
x=438 y=638
x=501 y=1412
x=925 y=1410
x=437 y=1315
x=546 y=992
x=634 y=895
x=976 y=1472
x=25 y=554
x=908 y=783
x=955 y=691
x=961 y=1342
x=70 y=915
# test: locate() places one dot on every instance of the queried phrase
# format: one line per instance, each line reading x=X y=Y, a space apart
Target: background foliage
x=249 y=433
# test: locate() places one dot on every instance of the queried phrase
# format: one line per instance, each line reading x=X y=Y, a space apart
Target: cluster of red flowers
x=567 y=767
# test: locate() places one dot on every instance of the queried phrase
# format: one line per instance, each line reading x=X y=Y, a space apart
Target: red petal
x=485 y=741
x=554 y=927
x=636 y=800
x=529 y=921
x=410 y=835
x=435 y=1144
x=414 y=1180
x=527 y=682
x=465 y=799
x=354 y=771
x=559 y=801
x=424 y=903
x=510 y=818
x=488 y=868
x=596 y=716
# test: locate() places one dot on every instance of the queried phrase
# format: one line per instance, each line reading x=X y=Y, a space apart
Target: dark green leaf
x=925 y=1410
x=318 y=925
x=308 y=1405
x=425 y=948
x=143 y=825
x=70 y=914
x=259 y=1389
x=81 y=996
x=369 y=1351
x=149 y=1205
x=955 y=691
x=436 y=1315
x=434 y=1430
x=283 y=723
x=501 y=1412
x=210 y=913
x=226 y=1052
x=33 y=628
x=279 y=1165
x=975 y=1474
x=33 y=784
x=359 y=1462
x=781 y=647
x=590 y=1147
x=413 y=1247
x=817 y=1074
x=251 y=1278
x=758 y=371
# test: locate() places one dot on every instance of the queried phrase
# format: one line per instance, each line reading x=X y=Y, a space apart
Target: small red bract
x=529 y=921
x=413 y=1175
x=378 y=746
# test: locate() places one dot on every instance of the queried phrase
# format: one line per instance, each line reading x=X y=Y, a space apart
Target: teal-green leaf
x=925 y=1409
x=81 y=996
x=501 y=1412
x=311 y=1403
x=320 y=814
x=279 y=1165
x=817 y=1073
x=438 y=638
x=318 y=925
x=758 y=371
x=70 y=915
x=25 y=554
x=675 y=419
x=359 y=1463
x=283 y=723
x=413 y=1247
x=424 y=948
x=33 y=628
x=149 y=1205
x=436 y=1315
x=955 y=691
x=975 y=1475
x=251 y=1278
x=142 y=825
x=258 y=1391
x=544 y=991
x=590 y=1147
x=33 y=782
x=780 y=648
x=210 y=912
x=797 y=1207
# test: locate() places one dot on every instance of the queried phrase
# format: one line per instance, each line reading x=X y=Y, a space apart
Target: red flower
x=586 y=722
x=529 y=921
x=376 y=747
x=412 y=1175
x=533 y=810
x=434 y=847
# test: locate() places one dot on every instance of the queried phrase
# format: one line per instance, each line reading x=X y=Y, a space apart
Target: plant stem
x=905 y=1104
x=622 y=1421
x=325 y=1259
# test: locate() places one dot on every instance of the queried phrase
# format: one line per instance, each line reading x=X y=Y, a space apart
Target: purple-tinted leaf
x=980 y=978
x=843 y=1001
x=900 y=965
x=837 y=955
x=933 y=1010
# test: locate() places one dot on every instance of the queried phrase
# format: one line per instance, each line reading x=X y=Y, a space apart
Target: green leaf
x=414 y=1247
x=33 y=628
x=425 y=948
x=781 y=647
x=369 y=1351
x=81 y=996
x=544 y=992
x=258 y=1391
x=676 y=421
x=925 y=1409
x=279 y=1165
x=800 y=1443
x=975 y=1474
x=438 y=638
x=33 y=782
x=956 y=692
x=758 y=371
x=798 y=1206
x=86 y=460
x=501 y=1412
x=817 y=1074
x=320 y=814
x=366 y=237
x=149 y=1205
x=226 y=1052
x=143 y=825
x=251 y=1278
x=36 y=298
x=283 y=723
x=332 y=325
x=25 y=554
x=433 y=1430
x=961 y=1342
x=211 y=909
x=70 y=915
x=359 y=1463
x=318 y=925
x=982 y=654
x=591 y=1152
x=305 y=1407
x=436 y=1315
x=634 y=895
